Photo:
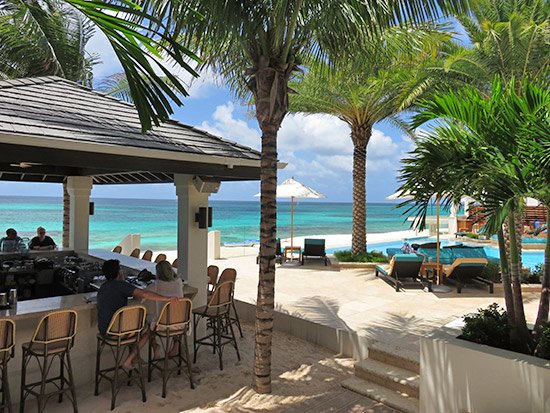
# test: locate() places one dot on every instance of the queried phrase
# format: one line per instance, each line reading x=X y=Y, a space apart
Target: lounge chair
x=468 y=271
x=314 y=248
x=404 y=268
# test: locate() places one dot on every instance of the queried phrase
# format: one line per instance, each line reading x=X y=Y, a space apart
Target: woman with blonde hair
x=168 y=284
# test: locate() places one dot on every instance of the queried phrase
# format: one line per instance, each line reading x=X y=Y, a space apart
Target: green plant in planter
x=347 y=256
x=532 y=276
x=543 y=346
x=490 y=326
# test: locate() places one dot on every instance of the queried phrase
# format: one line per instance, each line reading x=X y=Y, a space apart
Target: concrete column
x=79 y=188
x=453 y=224
x=192 y=240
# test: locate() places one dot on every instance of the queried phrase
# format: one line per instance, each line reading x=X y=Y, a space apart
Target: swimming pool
x=530 y=258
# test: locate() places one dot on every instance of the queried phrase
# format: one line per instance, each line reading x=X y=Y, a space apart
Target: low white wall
x=214 y=243
x=457 y=376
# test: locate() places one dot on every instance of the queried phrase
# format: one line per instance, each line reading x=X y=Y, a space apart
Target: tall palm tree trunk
x=66 y=214
x=506 y=281
x=360 y=135
x=526 y=344
x=544 y=304
x=271 y=99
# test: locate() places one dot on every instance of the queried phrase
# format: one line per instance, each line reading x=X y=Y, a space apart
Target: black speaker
x=92 y=208
x=204 y=217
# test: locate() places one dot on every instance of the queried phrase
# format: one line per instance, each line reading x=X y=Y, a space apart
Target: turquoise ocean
x=156 y=220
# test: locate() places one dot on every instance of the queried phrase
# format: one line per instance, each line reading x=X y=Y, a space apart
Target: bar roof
x=51 y=128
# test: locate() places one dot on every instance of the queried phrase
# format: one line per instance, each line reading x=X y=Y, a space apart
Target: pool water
x=530 y=258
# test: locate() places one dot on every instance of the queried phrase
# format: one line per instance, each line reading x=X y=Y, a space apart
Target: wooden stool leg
x=97 y=366
x=234 y=338
x=61 y=376
x=42 y=399
x=187 y=359
x=23 y=374
x=71 y=383
x=237 y=318
x=6 y=399
x=140 y=378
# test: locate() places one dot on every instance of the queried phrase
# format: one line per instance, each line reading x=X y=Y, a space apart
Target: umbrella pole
x=437 y=240
x=292 y=227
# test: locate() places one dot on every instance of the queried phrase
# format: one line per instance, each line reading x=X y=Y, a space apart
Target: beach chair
x=468 y=271
x=404 y=269
x=314 y=248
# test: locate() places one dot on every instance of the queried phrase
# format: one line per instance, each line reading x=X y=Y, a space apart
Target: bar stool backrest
x=229 y=274
x=222 y=295
x=160 y=257
x=135 y=253
x=147 y=255
x=117 y=249
x=56 y=331
x=127 y=322
x=175 y=263
x=7 y=336
x=175 y=316
x=212 y=272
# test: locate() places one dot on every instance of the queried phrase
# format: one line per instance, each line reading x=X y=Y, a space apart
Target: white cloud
x=227 y=126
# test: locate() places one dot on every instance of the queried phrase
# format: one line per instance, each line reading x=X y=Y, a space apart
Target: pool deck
x=349 y=310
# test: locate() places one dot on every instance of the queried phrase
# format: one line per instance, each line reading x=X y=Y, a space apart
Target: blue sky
x=317 y=148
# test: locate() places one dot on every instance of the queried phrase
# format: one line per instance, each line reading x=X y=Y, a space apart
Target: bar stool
x=7 y=347
x=135 y=253
x=54 y=337
x=123 y=333
x=212 y=272
x=160 y=257
x=230 y=274
x=217 y=314
x=147 y=255
x=171 y=328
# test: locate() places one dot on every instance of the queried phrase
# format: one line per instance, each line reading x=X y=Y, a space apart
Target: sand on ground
x=300 y=372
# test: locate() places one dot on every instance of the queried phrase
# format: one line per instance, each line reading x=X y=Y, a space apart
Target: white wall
x=457 y=376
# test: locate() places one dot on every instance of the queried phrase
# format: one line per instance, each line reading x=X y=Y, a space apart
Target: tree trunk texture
x=269 y=86
x=544 y=304
x=360 y=135
x=525 y=339
x=519 y=232
x=506 y=281
x=66 y=214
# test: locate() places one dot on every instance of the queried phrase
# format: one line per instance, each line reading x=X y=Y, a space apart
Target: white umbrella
x=291 y=188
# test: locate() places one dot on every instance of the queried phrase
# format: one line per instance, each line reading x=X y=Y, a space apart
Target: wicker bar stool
x=123 y=333
x=218 y=322
x=7 y=347
x=212 y=272
x=171 y=329
x=230 y=274
x=53 y=338
x=147 y=255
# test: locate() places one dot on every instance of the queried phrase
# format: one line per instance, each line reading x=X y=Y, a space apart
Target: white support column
x=192 y=240
x=79 y=188
x=453 y=224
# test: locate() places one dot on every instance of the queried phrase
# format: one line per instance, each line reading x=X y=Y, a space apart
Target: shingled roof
x=61 y=115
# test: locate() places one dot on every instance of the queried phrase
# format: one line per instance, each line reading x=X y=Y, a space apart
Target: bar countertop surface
x=33 y=308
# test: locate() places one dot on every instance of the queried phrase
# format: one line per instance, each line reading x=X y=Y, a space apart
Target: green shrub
x=492 y=272
x=543 y=346
x=489 y=326
x=531 y=277
x=347 y=256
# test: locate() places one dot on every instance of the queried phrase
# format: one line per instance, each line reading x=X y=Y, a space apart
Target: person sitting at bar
x=113 y=295
x=11 y=242
x=167 y=284
x=42 y=241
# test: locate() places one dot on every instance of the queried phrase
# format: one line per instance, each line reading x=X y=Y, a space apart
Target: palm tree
x=492 y=139
x=509 y=38
x=258 y=46
x=378 y=83
x=47 y=37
